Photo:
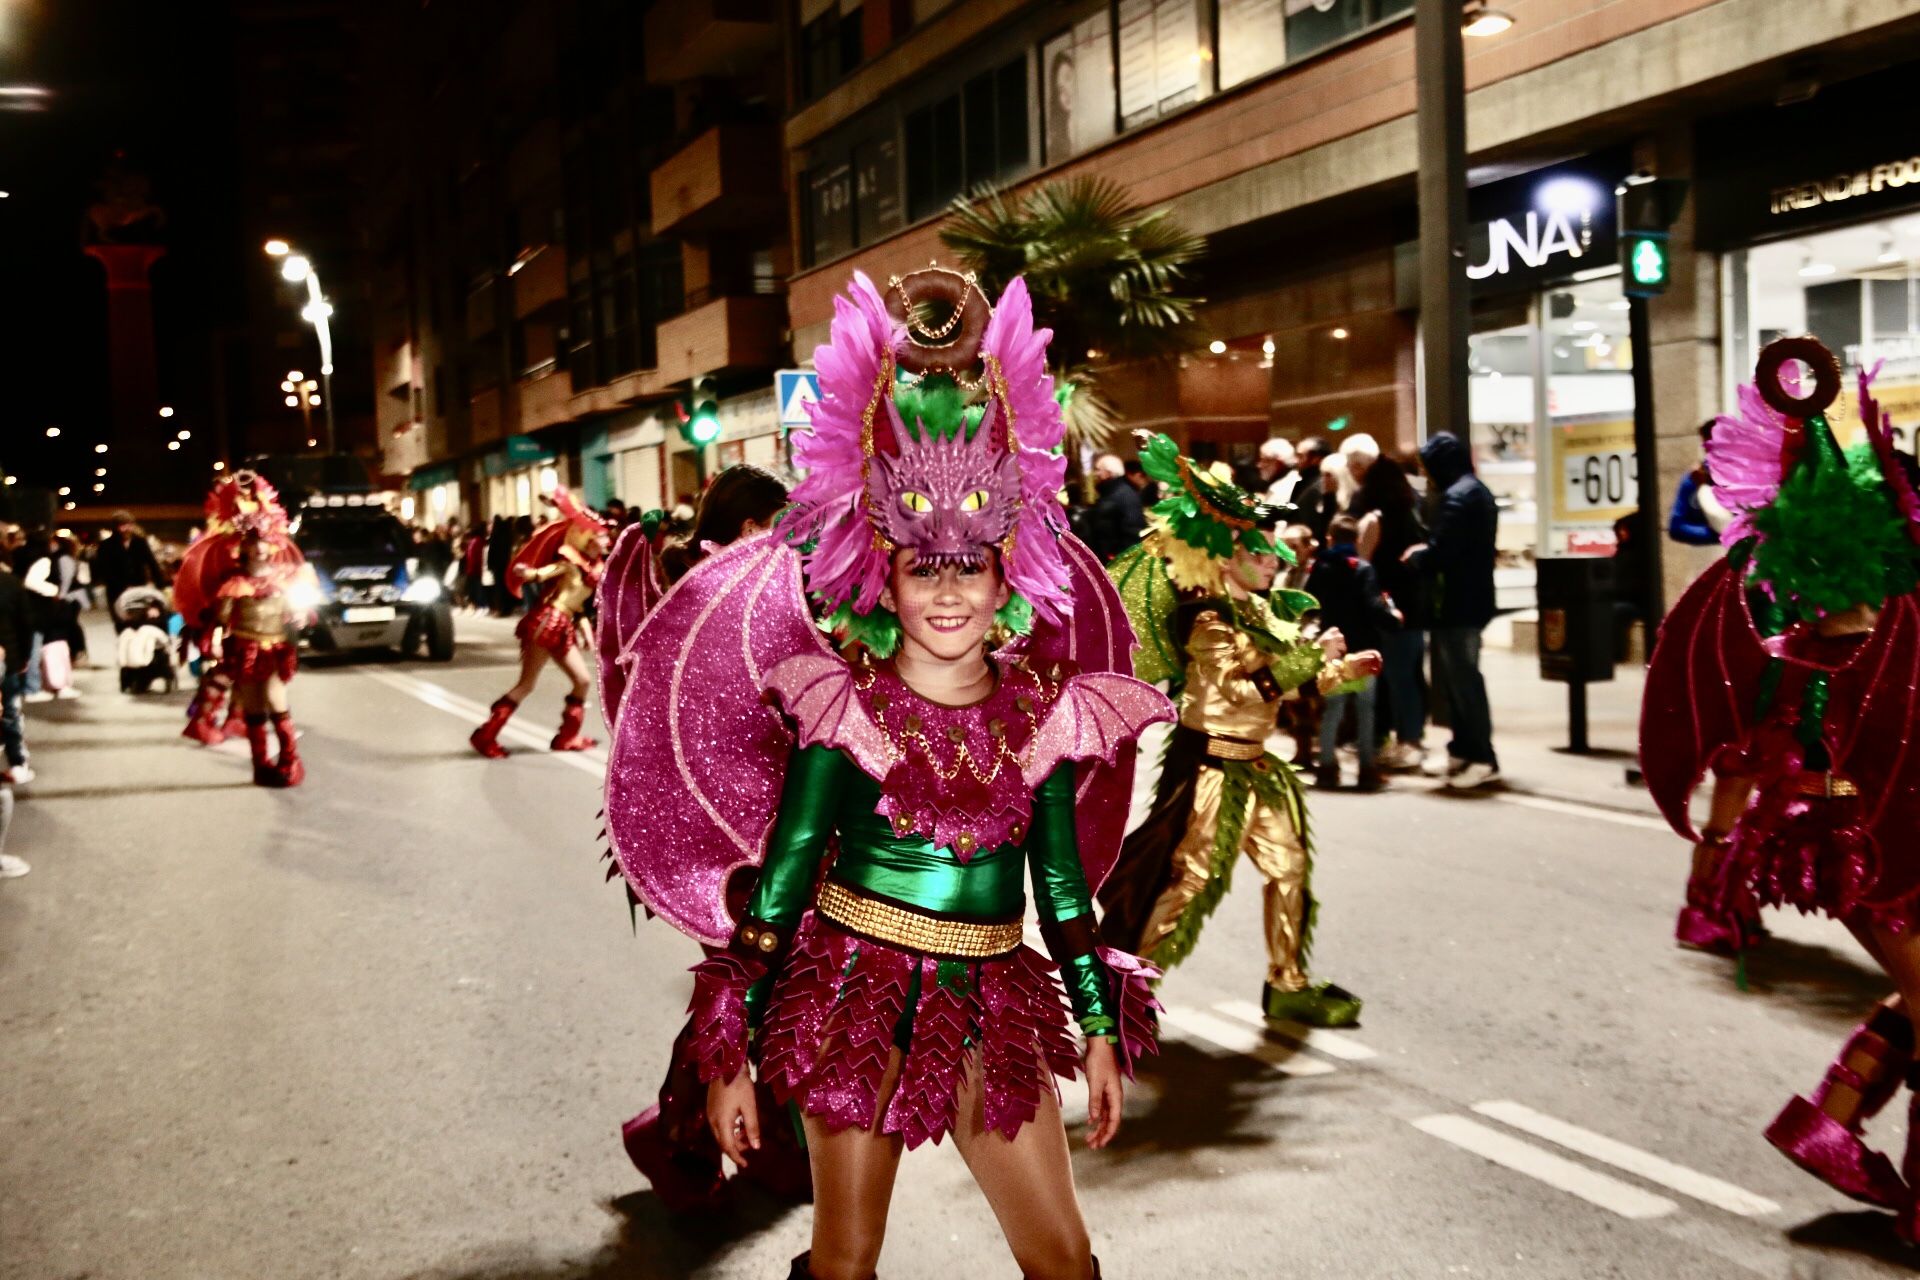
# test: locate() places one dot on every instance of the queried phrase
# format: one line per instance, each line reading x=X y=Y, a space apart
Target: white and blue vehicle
x=368 y=589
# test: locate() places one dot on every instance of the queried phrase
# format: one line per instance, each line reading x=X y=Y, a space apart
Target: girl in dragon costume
x=1199 y=589
x=565 y=555
x=232 y=588
x=1790 y=672
x=893 y=803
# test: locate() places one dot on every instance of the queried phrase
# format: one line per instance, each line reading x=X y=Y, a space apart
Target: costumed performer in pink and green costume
x=1790 y=671
x=896 y=802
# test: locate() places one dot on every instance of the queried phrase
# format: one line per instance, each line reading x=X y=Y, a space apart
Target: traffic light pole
x=1646 y=446
x=1441 y=128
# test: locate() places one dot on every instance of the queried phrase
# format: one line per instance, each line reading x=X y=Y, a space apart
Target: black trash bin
x=1576 y=597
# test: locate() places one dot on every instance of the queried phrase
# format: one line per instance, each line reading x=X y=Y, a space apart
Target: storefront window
x=1502 y=405
x=1550 y=398
x=1856 y=290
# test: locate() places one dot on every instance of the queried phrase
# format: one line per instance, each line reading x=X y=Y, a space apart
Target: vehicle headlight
x=305 y=597
x=422 y=591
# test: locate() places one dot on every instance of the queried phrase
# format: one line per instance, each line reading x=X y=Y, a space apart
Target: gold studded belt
x=913 y=930
x=1826 y=785
x=1235 y=749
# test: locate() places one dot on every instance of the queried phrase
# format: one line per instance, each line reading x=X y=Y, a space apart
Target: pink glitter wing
x=1098 y=718
x=1096 y=636
x=698 y=758
x=1702 y=691
x=817 y=690
x=1747 y=460
x=628 y=590
x=1875 y=717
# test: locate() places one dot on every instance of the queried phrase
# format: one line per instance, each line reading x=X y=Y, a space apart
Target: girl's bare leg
x=1028 y=1181
x=252 y=697
x=575 y=667
x=532 y=658
x=853 y=1173
x=273 y=694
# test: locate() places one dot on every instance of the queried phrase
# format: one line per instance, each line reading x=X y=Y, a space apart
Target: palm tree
x=1105 y=274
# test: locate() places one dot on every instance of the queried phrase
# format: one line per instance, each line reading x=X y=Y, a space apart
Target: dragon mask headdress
x=241 y=508
x=936 y=431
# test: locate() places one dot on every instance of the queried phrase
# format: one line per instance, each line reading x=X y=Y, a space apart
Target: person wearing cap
x=125 y=559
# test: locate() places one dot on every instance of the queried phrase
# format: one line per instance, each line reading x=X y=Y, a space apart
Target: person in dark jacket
x=1456 y=562
x=1388 y=511
x=16 y=636
x=1117 y=519
x=125 y=560
x=1350 y=600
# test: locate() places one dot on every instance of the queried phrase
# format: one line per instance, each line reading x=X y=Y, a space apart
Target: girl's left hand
x=1106 y=1092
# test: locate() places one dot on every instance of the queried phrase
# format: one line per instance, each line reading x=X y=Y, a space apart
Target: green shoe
x=1326 y=1005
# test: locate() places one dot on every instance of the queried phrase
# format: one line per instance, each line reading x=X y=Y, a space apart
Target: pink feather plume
x=1746 y=459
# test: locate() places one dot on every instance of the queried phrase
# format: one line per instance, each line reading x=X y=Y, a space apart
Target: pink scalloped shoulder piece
x=818 y=691
x=1097 y=714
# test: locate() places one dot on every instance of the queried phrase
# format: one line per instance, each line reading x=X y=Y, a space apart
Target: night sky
x=152 y=81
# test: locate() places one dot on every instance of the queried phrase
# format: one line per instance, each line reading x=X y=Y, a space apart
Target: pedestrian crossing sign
x=796 y=389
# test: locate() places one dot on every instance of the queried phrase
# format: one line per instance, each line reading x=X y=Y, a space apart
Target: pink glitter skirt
x=842 y=1004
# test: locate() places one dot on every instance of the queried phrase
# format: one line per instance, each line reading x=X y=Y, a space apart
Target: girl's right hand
x=734 y=1117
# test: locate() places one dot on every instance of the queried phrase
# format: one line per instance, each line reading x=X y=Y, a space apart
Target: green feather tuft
x=1833 y=537
x=937 y=404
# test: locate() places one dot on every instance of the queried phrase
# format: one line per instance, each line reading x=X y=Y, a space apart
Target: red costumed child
x=233 y=588
x=566 y=554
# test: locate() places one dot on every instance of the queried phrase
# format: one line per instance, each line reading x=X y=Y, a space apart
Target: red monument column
x=130 y=348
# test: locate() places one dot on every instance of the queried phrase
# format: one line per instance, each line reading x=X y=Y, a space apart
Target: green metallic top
x=826 y=793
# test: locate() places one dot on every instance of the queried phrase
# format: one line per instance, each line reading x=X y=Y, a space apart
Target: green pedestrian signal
x=703 y=426
x=1644 y=208
x=1649 y=260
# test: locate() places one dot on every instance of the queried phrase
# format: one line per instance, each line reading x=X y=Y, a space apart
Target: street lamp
x=296 y=268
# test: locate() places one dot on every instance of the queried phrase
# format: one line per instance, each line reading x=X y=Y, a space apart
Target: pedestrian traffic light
x=699 y=415
x=1644 y=208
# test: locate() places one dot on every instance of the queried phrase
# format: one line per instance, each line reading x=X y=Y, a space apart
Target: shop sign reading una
x=1560 y=223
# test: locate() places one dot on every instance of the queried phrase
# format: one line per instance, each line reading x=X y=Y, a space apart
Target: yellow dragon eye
x=975 y=501
x=916 y=502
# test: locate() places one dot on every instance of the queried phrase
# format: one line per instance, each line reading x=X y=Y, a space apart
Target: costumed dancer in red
x=1791 y=672
x=567 y=554
x=213 y=713
x=235 y=585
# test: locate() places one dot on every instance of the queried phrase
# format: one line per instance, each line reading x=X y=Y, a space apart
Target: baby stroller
x=146 y=648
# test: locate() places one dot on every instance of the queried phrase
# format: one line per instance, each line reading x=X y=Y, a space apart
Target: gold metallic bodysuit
x=1232 y=697
x=572 y=589
x=263 y=619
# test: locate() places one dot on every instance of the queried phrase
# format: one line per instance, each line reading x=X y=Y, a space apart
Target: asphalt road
x=388 y=1024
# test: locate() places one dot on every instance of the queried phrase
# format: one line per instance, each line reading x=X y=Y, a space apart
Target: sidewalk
x=1530 y=733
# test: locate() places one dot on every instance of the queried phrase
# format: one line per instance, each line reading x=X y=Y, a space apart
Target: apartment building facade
x=576 y=214
x=1283 y=130
x=601 y=204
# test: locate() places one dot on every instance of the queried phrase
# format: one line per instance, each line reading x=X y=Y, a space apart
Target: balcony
x=539 y=281
x=727 y=179
x=697 y=39
x=727 y=334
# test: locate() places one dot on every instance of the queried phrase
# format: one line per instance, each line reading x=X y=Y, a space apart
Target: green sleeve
x=809 y=803
x=1065 y=905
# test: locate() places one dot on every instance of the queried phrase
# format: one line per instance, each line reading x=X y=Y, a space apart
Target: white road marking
x=1238 y=1039
x=1642 y=1164
x=1595 y=1188
x=441 y=699
x=1335 y=1044
x=1569 y=808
